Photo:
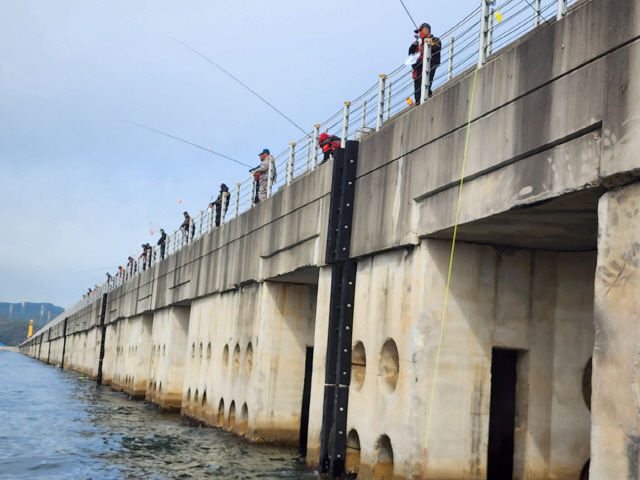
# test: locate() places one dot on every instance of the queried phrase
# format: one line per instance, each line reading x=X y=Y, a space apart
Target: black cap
x=423 y=25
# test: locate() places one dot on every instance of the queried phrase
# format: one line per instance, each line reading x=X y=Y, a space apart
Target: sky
x=80 y=182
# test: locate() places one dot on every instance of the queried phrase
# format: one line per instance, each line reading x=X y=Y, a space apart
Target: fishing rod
x=405 y=9
x=188 y=142
x=236 y=79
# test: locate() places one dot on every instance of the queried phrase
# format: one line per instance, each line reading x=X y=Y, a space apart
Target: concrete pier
x=536 y=364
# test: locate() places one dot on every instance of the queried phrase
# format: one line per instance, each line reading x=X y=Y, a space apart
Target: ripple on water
x=56 y=425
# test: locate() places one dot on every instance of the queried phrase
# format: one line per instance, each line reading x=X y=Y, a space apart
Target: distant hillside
x=14 y=319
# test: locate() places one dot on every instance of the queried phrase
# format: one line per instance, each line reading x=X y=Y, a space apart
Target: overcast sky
x=79 y=184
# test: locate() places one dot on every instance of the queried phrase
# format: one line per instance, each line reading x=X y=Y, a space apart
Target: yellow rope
x=446 y=295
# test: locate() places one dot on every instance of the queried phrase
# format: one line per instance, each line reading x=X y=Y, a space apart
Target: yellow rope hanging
x=446 y=295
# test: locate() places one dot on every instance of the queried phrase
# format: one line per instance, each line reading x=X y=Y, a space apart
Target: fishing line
x=236 y=79
x=190 y=143
x=446 y=295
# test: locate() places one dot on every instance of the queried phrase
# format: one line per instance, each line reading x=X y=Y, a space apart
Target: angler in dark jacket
x=221 y=203
x=162 y=241
x=424 y=32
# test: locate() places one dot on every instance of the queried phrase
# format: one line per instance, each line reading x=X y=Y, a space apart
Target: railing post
x=484 y=34
x=270 y=177
x=388 y=101
x=381 y=84
x=308 y=152
x=314 y=156
x=224 y=206
x=562 y=8
x=426 y=69
x=364 y=116
x=292 y=153
x=345 y=124
x=254 y=185
x=236 y=208
x=490 y=36
x=210 y=214
x=450 y=61
x=201 y=222
x=536 y=18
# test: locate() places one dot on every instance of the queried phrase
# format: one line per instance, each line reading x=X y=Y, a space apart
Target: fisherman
x=185 y=226
x=221 y=203
x=416 y=49
x=328 y=144
x=146 y=255
x=267 y=166
x=161 y=243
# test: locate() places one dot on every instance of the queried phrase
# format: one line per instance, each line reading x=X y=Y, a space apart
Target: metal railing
x=488 y=28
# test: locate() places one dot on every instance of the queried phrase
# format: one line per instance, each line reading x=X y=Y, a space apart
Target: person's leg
x=416 y=88
x=432 y=74
x=262 y=190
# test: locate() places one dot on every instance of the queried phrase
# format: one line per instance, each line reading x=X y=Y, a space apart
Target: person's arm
x=436 y=45
x=264 y=167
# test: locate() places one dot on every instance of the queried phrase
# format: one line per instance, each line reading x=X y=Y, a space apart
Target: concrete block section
x=615 y=438
x=286 y=329
x=169 y=344
x=621 y=125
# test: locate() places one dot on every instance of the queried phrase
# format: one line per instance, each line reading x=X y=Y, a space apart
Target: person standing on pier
x=262 y=172
x=161 y=242
x=221 y=203
x=185 y=226
x=424 y=33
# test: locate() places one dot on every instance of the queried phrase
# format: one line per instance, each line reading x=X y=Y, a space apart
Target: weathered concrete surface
x=543 y=309
x=167 y=365
x=616 y=356
x=132 y=342
x=550 y=117
x=250 y=355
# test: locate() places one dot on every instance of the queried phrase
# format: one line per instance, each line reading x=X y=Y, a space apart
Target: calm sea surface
x=57 y=425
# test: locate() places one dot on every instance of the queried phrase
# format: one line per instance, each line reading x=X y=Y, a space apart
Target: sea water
x=58 y=424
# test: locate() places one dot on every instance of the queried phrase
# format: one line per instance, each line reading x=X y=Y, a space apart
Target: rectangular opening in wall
x=502 y=413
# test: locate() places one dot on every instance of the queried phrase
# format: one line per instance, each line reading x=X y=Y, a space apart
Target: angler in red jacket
x=424 y=32
x=328 y=144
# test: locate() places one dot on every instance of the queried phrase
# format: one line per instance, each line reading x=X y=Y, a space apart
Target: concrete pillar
x=170 y=328
x=319 y=362
x=615 y=404
x=108 y=364
x=285 y=329
x=138 y=354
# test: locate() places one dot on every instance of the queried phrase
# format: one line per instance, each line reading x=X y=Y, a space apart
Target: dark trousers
x=417 y=84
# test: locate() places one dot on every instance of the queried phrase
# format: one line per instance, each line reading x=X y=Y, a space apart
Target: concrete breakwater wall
x=532 y=373
x=203 y=332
